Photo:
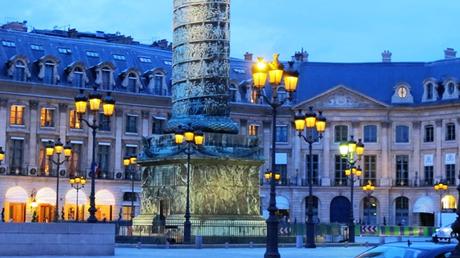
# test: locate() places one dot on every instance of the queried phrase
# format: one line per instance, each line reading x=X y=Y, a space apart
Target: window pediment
x=44 y=63
x=76 y=66
x=131 y=73
x=14 y=61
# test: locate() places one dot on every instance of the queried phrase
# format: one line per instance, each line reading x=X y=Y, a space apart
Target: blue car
x=410 y=250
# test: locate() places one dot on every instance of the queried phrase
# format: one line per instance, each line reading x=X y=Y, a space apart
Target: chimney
x=300 y=56
x=248 y=56
x=386 y=56
x=16 y=26
x=450 y=53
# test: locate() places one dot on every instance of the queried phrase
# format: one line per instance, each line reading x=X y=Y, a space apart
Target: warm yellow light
x=77 y=180
x=189 y=136
x=347 y=172
x=358 y=172
x=372 y=188
x=267 y=175
x=299 y=121
x=199 y=138
x=80 y=103
x=126 y=161
x=436 y=187
x=277 y=176
x=445 y=187
x=72 y=181
x=259 y=73
x=95 y=100
x=275 y=71
x=360 y=148
x=290 y=82
x=67 y=151
x=58 y=147
x=83 y=181
x=2 y=154
x=34 y=204
x=310 y=118
x=108 y=105
x=179 y=138
x=320 y=123
x=133 y=160
x=343 y=149
x=49 y=149
x=352 y=145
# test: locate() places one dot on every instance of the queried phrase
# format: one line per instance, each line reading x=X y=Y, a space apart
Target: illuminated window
x=252 y=130
x=75 y=163
x=45 y=164
x=126 y=213
x=47 y=117
x=17 y=115
x=74 y=120
x=449 y=202
x=254 y=97
x=402 y=92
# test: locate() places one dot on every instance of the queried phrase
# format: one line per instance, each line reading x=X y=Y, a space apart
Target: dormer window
x=49 y=72
x=104 y=75
x=36 y=47
x=131 y=80
x=64 y=50
x=232 y=89
x=156 y=79
x=158 y=83
x=429 y=91
x=450 y=91
x=105 y=79
x=48 y=69
x=402 y=94
x=20 y=71
x=7 y=43
x=119 y=57
x=76 y=74
x=78 y=77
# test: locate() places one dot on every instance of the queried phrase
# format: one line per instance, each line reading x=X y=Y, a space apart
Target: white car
x=443 y=233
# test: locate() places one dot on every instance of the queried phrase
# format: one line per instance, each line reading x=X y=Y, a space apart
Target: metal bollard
x=198 y=242
x=298 y=241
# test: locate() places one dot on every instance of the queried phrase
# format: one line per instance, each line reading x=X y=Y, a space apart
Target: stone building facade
x=406 y=113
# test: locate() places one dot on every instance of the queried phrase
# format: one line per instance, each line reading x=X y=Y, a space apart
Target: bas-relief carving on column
x=33 y=104
x=438 y=122
x=201 y=66
x=416 y=124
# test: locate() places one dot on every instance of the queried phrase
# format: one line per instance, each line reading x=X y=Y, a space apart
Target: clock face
x=402 y=92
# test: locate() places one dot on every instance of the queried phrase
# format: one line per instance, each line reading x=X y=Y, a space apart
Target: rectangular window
x=20 y=72
x=340 y=166
x=370 y=133
x=132 y=81
x=145 y=59
x=75 y=162
x=47 y=117
x=126 y=211
x=36 y=47
x=340 y=133
x=92 y=54
x=402 y=134
x=46 y=167
x=158 y=84
x=281 y=133
x=16 y=155
x=74 y=120
x=315 y=179
x=282 y=169
x=429 y=134
x=49 y=73
x=119 y=57
x=428 y=171
x=370 y=169
x=65 y=51
x=131 y=124
x=253 y=130
x=7 y=43
x=103 y=159
x=17 y=115
x=104 y=122
x=402 y=170
x=77 y=79
x=450 y=174
x=450 y=132
x=157 y=125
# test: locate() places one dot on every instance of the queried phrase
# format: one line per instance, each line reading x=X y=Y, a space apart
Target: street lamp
x=108 y=107
x=57 y=148
x=191 y=138
x=2 y=155
x=275 y=72
x=368 y=190
x=77 y=183
x=314 y=126
x=352 y=152
x=130 y=162
x=441 y=189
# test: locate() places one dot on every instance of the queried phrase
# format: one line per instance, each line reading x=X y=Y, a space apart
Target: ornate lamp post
x=441 y=189
x=368 y=190
x=57 y=148
x=314 y=126
x=352 y=151
x=77 y=183
x=108 y=107
x=130 y=163
x=192 y=139
x=275 y=73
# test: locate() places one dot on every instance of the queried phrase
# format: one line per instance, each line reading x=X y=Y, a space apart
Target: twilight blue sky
x=330 y=30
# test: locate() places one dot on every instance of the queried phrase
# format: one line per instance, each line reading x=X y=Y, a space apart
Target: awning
x=282 y=203
x=423 y=204
x=71 y=197
x=46 y=195
x=104 y=197
x=16 y=194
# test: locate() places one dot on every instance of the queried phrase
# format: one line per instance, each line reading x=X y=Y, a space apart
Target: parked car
x=410 y=250
x=443 y=233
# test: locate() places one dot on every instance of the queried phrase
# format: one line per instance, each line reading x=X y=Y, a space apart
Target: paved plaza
x=343 y=252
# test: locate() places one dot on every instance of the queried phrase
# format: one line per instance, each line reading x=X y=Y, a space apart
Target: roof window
x=36 y=47
x=145 y=59
x=119 y=57
x=92 y=54
x=63 y=50
x=8 y=43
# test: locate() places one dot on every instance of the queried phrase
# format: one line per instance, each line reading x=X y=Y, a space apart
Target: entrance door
x=427 y=219
x=17 y=212
x=340 y=210
x=45 y=213
x=104 y=212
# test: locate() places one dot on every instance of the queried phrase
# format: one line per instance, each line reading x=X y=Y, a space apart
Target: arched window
x=104 y=75
x=450 y=88
x=48 y=72
x=158 y=79
x=315 y=206
x=402 y=211
x=429 y=91
x=156 y=82
x=20 y=71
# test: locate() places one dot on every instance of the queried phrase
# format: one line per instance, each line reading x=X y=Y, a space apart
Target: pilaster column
x=416 y=138
x=90 y=144
x=118 y=136
x=4 y=118
x=438 y=171
x=297 y=158
x=33 y=123
x=145 y=123
x=63 y=121
x=384 y=168
x=325 y=171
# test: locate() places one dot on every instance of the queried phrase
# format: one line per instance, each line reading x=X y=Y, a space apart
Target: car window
x=391 y=252
x=444 y=255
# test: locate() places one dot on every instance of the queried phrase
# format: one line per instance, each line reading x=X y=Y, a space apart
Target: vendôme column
x=201 y=47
